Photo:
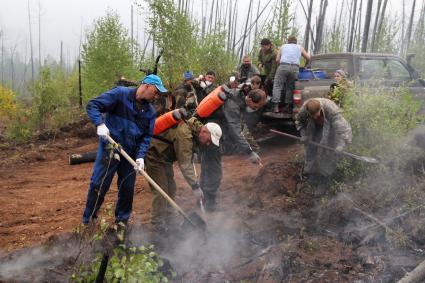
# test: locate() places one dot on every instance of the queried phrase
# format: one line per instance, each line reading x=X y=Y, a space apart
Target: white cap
x=215 y=132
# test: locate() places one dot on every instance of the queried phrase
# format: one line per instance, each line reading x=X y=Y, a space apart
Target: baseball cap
x=154 y=80
x=215 y=132
x=188 y=75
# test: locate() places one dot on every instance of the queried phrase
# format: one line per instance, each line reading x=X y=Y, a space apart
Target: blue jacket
x=129 y=126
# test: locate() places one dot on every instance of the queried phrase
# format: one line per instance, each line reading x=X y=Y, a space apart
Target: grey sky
x=64 y=19
x=60 y=20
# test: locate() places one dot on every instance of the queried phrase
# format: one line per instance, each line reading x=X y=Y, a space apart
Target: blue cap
x=154 y=80
x=188 y=75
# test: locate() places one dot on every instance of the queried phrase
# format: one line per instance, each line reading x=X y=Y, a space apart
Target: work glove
x=339 y=148
x=254 y=158
x=140 y=164
x=102 y=131
x=304 y=139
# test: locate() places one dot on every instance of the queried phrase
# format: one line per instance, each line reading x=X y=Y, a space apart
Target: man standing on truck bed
x=267 y=64
x=288 y=59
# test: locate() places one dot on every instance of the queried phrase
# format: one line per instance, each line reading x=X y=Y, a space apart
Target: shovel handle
x=362 y=158
x=298 y=138
x=148 y=178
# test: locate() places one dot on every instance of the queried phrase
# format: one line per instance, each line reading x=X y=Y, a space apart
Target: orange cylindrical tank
x=166 y=121
x=211 y=103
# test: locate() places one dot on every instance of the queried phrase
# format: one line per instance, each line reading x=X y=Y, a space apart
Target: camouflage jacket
x=176 y=144
x=336 y=130
x=268 y=60
x=186 y=97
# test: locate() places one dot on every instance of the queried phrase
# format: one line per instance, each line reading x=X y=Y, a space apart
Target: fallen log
x=416 y=275
x=78 y=158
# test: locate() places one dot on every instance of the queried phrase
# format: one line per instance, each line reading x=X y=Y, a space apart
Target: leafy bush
x=7 y=104
x=184 y=47
x=380 y=120
x=106 y=55
x=21 y=128
x=53 y=106
x=140 y=264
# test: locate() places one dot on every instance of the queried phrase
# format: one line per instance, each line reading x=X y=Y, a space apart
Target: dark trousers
x=104 y=170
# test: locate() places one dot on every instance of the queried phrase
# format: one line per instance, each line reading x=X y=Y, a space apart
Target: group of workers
x=213 y=120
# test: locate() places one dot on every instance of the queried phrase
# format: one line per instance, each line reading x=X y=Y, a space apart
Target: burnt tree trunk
x=320 y=26
x=409 y=27
x=366 y=25
x=308 y=26
x=246 y=28
x=382 y=16
x=375 y=24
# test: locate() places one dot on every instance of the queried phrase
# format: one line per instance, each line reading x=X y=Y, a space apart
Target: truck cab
x=365 y=69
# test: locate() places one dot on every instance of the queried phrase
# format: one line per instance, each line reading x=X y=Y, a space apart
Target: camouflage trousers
x=162 y=173
x=320 y=161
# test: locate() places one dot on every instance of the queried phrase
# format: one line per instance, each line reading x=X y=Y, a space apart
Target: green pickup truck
x=363 y=69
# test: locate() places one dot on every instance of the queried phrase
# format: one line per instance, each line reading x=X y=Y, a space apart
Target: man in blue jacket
x=127 y=115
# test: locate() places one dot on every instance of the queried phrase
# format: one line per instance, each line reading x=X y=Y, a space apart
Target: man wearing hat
x=127 y=115
x=210 y=157
x=174 y=145
x=185 y=94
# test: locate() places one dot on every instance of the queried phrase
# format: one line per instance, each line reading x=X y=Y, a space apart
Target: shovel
x=357 y=157
x=194 y=220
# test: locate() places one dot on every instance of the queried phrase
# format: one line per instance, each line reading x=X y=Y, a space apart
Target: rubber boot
x=287 y=109
x=322 y=186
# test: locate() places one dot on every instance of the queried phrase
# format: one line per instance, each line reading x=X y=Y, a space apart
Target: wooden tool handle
x=148 y=178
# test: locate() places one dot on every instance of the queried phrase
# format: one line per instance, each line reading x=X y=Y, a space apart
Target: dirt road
x=41 y=195
x=269 y=227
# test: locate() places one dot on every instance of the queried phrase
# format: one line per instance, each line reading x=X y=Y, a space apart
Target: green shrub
x=140 y=264
x=380 y=120
x=22 y=127
x=185 y=48
x=106 y=55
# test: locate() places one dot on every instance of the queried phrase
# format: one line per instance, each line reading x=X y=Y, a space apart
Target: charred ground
x=269 y=228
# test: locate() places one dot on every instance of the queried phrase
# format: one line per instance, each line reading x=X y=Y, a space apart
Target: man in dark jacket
x=210 y=156
x=204 y=85
x=247 y=69
x=185 y=94
x=129 y=119
x=233 y=110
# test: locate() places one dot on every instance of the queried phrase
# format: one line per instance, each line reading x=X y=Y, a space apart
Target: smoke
x=193 y=253
x=40 y=263
x=383 y=207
